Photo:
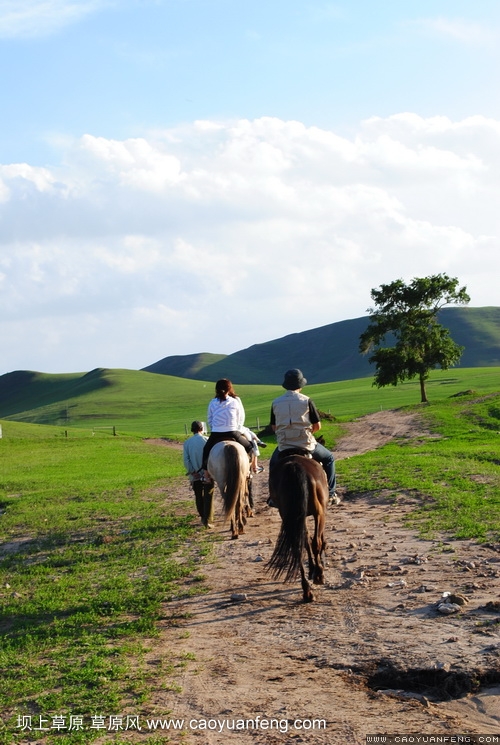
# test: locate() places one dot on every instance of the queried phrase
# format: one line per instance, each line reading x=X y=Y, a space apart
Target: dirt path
x=371 y=655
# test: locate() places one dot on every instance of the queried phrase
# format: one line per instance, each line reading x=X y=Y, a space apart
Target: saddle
x=282 y=454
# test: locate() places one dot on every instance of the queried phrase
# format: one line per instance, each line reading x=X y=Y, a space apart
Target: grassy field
x=454 y=477
x=92 y=541
x=138 y=402
x=91 y=545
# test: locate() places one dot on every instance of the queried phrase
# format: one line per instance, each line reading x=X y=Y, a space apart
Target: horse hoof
x=308 y=597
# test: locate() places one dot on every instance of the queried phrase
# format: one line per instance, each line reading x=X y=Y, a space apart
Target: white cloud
x=135 y=162
x=215 y=236
x=460 y=29
x=32 y=18
x=22 y=178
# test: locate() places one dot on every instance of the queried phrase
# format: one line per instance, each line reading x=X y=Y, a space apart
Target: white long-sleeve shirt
x=225 y=416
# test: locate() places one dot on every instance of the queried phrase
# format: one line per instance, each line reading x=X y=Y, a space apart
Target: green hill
x=23 y=390
x=187 y=365
x=129 y=400
x=140 y=403
x=476 y=329
x=340 y=380
x=330 y=353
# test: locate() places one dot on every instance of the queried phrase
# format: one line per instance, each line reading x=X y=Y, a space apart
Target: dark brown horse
x=299 y=488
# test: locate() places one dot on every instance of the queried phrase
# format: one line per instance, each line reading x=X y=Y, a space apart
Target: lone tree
x=404 y=335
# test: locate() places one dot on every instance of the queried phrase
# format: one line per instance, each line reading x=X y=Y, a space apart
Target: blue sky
x=168 y=163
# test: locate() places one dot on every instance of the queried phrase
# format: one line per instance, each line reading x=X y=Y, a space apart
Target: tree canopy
x=404 y=335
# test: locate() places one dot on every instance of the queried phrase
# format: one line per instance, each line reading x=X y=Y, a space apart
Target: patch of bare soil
x=371 y=655
x=175 y=444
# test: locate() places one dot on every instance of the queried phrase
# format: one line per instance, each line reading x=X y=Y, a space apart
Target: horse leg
x=242 y=520
x=319 y=572
x=250 y=505
x=310 y=558
x=235 y=522
x=238 y=521
x=234 y=528
x=317 y=549
x=315 y=568
x=307 y=593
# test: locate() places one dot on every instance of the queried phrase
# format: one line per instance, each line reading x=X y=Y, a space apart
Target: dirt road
x=371 y=655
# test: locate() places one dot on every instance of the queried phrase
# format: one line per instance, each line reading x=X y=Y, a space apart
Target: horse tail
x=235 y=482
x=292 y=489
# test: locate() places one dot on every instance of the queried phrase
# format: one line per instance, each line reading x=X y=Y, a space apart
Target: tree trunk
x=423 y=395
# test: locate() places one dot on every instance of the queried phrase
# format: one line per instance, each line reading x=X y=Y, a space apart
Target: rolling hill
x=136 y=403
x=138 y=400
x=330 y=353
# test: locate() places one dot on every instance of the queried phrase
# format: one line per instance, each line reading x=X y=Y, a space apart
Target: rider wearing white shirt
x=225 y=417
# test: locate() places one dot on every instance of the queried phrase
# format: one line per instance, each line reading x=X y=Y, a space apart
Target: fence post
x=114 y=431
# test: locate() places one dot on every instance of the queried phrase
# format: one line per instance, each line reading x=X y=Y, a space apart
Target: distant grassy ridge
x=158 y=405
x=331 y=353
x=131 y=400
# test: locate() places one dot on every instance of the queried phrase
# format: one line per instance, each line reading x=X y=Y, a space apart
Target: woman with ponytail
x=225 y=417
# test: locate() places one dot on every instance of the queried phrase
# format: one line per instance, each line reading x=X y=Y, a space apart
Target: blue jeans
x=323 y=456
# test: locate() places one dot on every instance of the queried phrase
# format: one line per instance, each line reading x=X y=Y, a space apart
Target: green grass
x=453 y=477
x=99 y=545
x=159 y=405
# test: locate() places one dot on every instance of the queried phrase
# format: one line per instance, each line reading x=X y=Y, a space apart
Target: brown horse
x=299 y=488
x=229 y=466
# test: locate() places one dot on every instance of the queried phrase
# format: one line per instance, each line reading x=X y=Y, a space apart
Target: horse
x=299 y=488
x=229 y=466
